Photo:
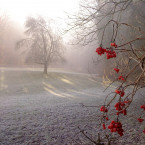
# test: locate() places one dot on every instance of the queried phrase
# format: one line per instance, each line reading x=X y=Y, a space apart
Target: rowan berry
x=110 y=54
x=121 y=78
x=114 y=45
x=116 y=127
x=142 y=107
x=107 y=118
x=103 y=109
x=116 y=69
x=104 y=127
x=140 y=120
x=100 y=50
x=121 y=93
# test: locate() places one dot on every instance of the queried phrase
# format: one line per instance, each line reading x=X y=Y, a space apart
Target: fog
x=10 y=33
x=13 y=17
x=12 y=27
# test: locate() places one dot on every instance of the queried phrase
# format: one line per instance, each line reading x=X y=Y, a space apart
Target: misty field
x=47 y=109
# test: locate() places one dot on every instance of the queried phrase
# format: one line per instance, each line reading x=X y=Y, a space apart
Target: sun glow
x=18 y=10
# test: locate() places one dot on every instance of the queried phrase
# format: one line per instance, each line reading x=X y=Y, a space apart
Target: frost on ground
x=46 y=110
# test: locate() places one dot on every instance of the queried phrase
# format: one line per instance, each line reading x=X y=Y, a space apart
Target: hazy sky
x=18 y=10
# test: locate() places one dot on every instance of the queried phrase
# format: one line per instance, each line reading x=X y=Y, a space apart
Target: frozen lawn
x=37 y=109
x=46 y=110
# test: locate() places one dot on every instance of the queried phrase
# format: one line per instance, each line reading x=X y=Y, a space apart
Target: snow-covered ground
x=36 y=109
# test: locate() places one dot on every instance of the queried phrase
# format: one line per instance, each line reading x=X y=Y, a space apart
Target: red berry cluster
x=103 y=109
x=100 y=50
x=121 y=78
x=116 y=127
x=142 y=107
x=119 y=107
x=114 y=45
x=121 y=93
x=110 y=54
x=116 y=69
x=140 y=120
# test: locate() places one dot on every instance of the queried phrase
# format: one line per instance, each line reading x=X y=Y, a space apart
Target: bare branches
x=120 y=35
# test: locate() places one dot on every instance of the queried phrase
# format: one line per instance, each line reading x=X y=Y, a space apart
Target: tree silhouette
x=42 y=43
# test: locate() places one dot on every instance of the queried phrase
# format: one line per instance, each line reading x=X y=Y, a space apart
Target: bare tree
x=42 y=42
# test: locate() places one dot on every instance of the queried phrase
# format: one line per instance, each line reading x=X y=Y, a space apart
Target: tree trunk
x=45 y=68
